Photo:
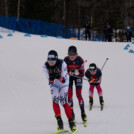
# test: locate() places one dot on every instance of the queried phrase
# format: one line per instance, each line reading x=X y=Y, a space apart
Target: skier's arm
x=82 y=70
x=46 y=71
x=87 y=74
x=99 y=81
x=100 y=76
x=50 y=79
x=64 y=73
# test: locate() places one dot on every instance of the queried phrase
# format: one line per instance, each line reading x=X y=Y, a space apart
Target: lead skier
x=56 y=73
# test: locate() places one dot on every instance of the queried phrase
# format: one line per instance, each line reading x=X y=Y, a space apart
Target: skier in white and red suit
x=56 y=73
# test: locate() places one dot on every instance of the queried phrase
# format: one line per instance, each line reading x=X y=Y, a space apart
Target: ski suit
x=95 y=83
x=75 y=67
x=59 y=90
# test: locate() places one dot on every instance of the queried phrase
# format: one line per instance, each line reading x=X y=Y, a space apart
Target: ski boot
x=60 y=123
x=84 y=118
x=72 y=125
x=101 y=102
x=90 y=103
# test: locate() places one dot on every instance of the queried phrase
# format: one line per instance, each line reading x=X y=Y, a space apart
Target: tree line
x=73 y=13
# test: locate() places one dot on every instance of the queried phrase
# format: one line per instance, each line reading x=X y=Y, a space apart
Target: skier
x=75 y=66
x=56 y=73
x=94 y=75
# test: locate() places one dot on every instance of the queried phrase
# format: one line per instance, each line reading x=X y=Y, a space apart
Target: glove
x=93 y=80
x=51 y=82
x=71 y=72
x=76 y=72
x=62 y=80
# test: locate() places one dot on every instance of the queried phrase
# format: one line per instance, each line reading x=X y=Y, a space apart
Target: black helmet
x=72 y=50
x=52 y=55
x=92 y=66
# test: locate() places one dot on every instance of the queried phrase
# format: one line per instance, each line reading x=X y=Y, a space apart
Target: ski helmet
x=72 y=50
x=92 y=66
x=52 y=55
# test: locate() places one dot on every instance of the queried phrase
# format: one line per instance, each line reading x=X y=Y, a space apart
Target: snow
x=4 y=30
x=25 y=99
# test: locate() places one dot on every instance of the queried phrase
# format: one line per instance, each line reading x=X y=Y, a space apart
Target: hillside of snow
x=25 y=99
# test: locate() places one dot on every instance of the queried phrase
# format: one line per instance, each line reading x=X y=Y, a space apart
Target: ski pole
x=104 y=63
x=87 y=79
x=78 y=77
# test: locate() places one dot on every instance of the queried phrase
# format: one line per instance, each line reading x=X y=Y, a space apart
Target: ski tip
x=85 y=124
x=58 y=131
x=74 y=131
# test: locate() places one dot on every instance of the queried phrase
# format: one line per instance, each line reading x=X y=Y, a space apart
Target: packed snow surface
x=25 y=99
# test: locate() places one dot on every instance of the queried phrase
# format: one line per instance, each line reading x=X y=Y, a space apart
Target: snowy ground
x=25 y=100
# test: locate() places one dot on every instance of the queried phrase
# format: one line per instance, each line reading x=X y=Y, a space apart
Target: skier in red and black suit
x=75 y=66
x=94 y=75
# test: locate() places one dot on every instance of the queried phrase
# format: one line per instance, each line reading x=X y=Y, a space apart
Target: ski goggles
x=52 y=61
x=71 y=54
x=92 y=70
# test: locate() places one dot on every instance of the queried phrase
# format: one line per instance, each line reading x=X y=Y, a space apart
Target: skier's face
x=93 y=72
x=73 y=56
x=52 y=62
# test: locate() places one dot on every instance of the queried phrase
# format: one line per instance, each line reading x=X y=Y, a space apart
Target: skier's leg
x=70 y=96
x=56 y=108
x=91 y=92
x=78 y=83
x=99 y=90
x=55 y=97
x=80 y=98
x=100 y=94
x=63 y=101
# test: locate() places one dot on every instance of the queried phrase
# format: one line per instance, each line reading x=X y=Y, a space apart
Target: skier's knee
x=63 y=101
x=56 y=100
